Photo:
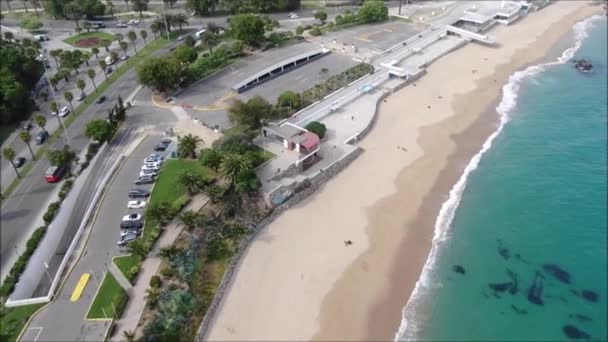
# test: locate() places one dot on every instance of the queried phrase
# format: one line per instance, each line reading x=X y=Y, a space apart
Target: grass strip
x=144 y=53
x=129 y=265
x=14 y=319
x=110 y=300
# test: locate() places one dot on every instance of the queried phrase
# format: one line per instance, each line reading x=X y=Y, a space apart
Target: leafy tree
x=250 y=113
x=103 y=65
x=9 y=154
x=192 y=181
x=161 y=74
x=26 y=137
x=290 y=99
x=73 y=11
x=106 y=44
x=132 y=37
x=87 y=26
x=155 y=28
x=91 y=75
x=187 y=145
x=190 y=41
x=124 y=47
x=321 y=16
x=40 y=121
x=373 y=12
x=317 y=128
x=95 y=51
x=144 y=34
x=161 y=211
x=211 y=158
x=30 y=22
x=315 y=31
x=61 y=157
x=140 y=6
x=68 y=96
x=53 y=106
x=190 y=219
x=185 y=54
x=219 y=249
x=179 y=20
x=119 y=36
x=248 y=28
x=99 y=129
x=153 y=293
x=9 y=36
x=80 y=83
x=169 y=253
x=215 y=192
x=138 y=248
x=170 y=2
x=299 y=30
x=202 y=7
x=247 y=181
x=209 y=39
x=110 y=5
x=233 y=165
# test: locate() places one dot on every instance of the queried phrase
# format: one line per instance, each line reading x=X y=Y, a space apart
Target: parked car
x=132 y=217
x=121 y=24
x=293 y=16
x=130 y=231
x=150 y=167
x=41 y=37
x=133 y=22
x=41 y=137
x=19 y=162
x=124 y=57
x=138 y=193
x=126 y=239
x=82 y=96
x=64 y=111
x=109 y=70
x=151 y=173
x=27 y=126
x=153 y=158
x=145 y=180
x=160 y=148
x=136 y=204
x=131 y=224
x=100 y=99
x=109 y=60
x=166 y=141
x=153 y=164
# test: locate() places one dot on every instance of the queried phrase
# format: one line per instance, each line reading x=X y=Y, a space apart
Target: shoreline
x=299 y=264
x=385 y=315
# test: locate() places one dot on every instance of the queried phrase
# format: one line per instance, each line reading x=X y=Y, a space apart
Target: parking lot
x=209 y=100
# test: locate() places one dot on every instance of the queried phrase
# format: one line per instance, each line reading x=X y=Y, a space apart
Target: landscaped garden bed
x=89 y=39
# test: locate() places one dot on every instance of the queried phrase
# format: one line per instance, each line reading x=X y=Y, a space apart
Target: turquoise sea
x=520 y=248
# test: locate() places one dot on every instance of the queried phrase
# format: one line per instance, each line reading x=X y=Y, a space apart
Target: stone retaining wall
x=313 y=185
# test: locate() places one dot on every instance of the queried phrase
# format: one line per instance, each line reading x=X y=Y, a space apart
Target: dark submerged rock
x=557 y=272
x=518 y=310
x=591 y=296
x=535 y=291
x=503 y=251
x=458 y=269
x=581 y=318
x=574 y=333
x=500 y=287
x=583 y=65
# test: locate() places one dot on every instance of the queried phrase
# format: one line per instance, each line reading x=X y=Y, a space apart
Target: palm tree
x=138 y=248
x=9 y=36
x=180 y=20
x=40 y=121
x=187 y=145
x=162 y=212
x=154 y=27
x=80 y=83
x=26 y=137
x=91 y=74
x=54 y=53
x=209 y=39
x=53 y=106
x=215 y=192
x=168 y=253
x=95 y=51
x=233 y=165
x=111 y=7
x=124 y=46
x=9 y=154
x=153 y=295
x=103 y=65
x=106 y=43
x=144 y=34
x=132 y=37
x=68 y=96
x=54 y=82
x=190 y=219
x=129 y=335
x=119 y=37
x=192 y=181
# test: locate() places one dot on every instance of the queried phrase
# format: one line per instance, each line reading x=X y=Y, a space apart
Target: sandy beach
x=299 y=281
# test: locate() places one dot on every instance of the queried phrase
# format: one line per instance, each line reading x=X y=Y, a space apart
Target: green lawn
x=87 y=35
x=144 y=53
x=14 y=320
x=129 y=265
x=109 y=298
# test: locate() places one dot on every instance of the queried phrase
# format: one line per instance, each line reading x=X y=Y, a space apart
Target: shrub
x=133 y=272
x=289 y=99
x=299 y=30
x=155 y=281
x=17 y=269
x=315 y=31
x=180 y=203
x=317 y=128
x=67 y=185
x=167 y=272
x=373 y=12
x=219 y=249
x=307 y=27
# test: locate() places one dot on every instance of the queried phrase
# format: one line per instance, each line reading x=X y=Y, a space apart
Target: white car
x=136 y=204
x=293 y=16
x=150 y=167
x=132 y=217
x=153 y=158
x=130 y=231
x=148 y=173
x=153 y=164
x=133 y=22
x=62 y=112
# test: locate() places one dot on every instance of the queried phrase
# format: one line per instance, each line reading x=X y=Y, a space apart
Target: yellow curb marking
x=84 y=279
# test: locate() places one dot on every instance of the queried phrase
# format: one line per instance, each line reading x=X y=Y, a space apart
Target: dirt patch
x=88 y=42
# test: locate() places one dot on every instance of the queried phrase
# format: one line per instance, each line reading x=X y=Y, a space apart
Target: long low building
x=279 y=68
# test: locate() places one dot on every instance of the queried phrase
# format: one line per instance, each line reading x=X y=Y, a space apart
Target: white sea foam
x=410 y=326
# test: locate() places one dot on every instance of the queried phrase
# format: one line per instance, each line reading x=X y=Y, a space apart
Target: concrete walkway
x=137 y=294
x=120 y=277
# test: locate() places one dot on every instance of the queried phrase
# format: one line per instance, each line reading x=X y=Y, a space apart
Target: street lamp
x=46 y=270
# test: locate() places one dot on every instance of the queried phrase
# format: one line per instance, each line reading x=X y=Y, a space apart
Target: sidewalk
x=137 y=294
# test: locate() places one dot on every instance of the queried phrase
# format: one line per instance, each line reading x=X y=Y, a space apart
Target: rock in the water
x=518 y=310
x=574 y=333
x=503 y=251
x=581 y=318
x=535 y=291
x=589 y=295
x=557 y=272
x=500 y=287
x=583 y=65
x=458 y=269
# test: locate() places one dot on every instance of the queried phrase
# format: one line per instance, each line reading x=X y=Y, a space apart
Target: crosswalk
x=142 y=103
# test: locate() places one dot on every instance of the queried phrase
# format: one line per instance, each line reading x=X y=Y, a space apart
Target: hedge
x=15 y=273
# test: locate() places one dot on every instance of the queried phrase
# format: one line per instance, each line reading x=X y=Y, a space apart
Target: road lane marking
x=39 y=332
x=82 y=283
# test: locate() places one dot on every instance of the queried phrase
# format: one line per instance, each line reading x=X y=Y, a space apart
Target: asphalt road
x=30 y=199
x=64 y=320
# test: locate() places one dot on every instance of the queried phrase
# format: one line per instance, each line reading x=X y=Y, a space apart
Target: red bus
x=54 y=174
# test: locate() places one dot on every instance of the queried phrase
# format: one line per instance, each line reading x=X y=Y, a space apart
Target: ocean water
x=520 y=247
